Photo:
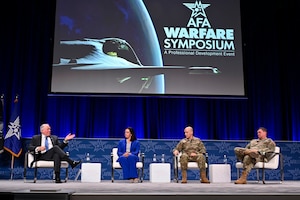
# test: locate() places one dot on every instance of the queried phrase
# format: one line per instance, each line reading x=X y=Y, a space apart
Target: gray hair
x=42 y=126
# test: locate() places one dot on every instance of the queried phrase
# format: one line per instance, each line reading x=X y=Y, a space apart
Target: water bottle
x=87 y=158
x=154 y=158
x=162 y=158
x=225 y=159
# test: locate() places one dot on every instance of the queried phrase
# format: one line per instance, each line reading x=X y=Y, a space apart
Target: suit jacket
x=37 y=139
x=134 y=148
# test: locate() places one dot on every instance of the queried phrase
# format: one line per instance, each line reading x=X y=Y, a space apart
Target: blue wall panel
x=99 y=150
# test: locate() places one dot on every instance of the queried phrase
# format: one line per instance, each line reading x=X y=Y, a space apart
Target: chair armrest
x=268 y=155
x=271 y=155
x=142 y=157
x=111 y=159
x=206 y=157
x=26 y=160
x=175 y=161
x=34 y=154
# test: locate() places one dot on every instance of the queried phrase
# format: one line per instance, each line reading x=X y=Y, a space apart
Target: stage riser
x=35 y=196
x=81 y=196
x=186 y=197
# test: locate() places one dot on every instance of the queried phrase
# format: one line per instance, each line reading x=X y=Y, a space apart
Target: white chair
x=30 y=162
x=116 y=165
x=191 y=165
x=275 y=163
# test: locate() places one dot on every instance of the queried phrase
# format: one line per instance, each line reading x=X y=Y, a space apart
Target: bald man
x=192 y=149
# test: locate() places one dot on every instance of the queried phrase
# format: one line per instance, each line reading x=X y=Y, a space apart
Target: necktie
x=46 y=144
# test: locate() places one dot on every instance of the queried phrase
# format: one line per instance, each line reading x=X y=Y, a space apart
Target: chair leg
x=35 y=174
x=175 y=176
x=53 y=176
x=175 y=164
x=281 y=168
x=112 y=174
x=24 y=174
x=142 y=175
x=281 y=176
x=174 y=171
x=139 y=174
x=263 y=176
x=67 y=174
x=257 y=175
x=177 y=171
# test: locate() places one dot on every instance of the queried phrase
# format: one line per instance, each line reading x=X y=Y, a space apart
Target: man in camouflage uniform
x=192 y=149
x=255 y=151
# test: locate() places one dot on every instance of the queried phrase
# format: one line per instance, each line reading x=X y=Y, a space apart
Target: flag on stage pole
x=12 y=140
x=1 y=123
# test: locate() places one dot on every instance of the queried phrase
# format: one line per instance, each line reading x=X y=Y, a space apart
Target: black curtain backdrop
x=271 y=73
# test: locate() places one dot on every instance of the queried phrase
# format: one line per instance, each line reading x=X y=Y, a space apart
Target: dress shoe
x=75 y=163
x=58 y=181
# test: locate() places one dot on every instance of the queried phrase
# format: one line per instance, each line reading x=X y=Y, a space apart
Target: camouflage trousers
x=199 y=158
x=248 y=162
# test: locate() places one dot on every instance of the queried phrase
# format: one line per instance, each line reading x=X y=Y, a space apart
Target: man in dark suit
x=48 y=147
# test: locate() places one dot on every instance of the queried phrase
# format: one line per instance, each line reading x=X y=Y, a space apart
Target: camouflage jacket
x=263 y=146
x=190 y=145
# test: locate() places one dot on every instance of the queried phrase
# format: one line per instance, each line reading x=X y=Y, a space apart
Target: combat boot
x=184 y=176
x=203 y=177
x=243 y=178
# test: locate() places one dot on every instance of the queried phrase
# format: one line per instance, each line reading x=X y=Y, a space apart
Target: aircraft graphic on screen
x=117 y=55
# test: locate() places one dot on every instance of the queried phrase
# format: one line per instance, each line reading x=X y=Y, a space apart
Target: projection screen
x=156 y=47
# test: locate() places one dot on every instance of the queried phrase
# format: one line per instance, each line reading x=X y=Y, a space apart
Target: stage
x=106 y=190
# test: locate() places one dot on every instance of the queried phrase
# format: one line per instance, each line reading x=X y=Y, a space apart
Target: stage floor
x=124 y=187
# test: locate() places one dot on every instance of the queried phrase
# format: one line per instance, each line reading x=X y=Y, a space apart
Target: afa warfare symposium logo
x=199 y=37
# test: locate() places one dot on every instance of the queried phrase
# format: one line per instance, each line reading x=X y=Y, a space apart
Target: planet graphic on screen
x=112 y=38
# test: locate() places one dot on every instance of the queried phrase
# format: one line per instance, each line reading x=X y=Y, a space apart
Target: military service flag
x=12 y=140
x=1 y=122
